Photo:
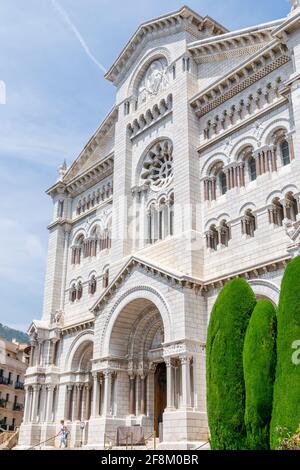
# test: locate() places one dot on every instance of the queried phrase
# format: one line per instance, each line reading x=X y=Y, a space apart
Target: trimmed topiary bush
x=286 y=401
x=224 y=367
x=259 y=372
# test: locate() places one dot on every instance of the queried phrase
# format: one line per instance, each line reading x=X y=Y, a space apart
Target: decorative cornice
x=236 y=43
x=291 y=23
x=82 y=182
x=184 y=19
x=151 y=117
x=71 y=329
x=255 y=68
x=241 y=124
x=183 y=281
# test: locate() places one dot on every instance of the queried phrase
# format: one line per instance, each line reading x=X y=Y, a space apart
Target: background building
x=192 y=179
x=14 y=359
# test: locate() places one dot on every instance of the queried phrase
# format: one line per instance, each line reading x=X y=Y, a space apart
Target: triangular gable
x=200 y=25
x=173 y=276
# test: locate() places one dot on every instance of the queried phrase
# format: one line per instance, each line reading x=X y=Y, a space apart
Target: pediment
x=184 y=19
x=171 y=276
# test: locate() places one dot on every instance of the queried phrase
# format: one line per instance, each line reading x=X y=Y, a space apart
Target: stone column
x=49 y=417
x=39 y=358
x=143 y=395
x=186 y=381
x=95 y=408
x=35 y=400
x=78 y=402
x=32 y=353
x=87 y=402
x=107 y=392
x=170 y=384
x=273 y=158
x=26 y=404
x=257 y=161
x=132 y=394
x=69 y=403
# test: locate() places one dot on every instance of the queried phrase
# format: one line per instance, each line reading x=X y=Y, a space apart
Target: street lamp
x=82 y=427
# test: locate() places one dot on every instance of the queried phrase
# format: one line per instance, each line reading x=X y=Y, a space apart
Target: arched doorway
x=79 y=391
x=136 y=347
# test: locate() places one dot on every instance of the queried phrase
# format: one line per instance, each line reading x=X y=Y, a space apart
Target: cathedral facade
x=192 y=179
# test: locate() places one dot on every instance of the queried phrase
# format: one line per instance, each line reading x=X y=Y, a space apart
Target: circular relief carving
x=158 y=165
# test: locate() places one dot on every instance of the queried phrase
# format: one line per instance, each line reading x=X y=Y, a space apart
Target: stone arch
x=131 y=304
x=241 y=144
x=282 y=123
x=248 y=206
x=83 y=341
x=77 y=234
x=212 y=161
x=209 y=223
x=96 y=223
x=265 y=290
x=289 y=188
x=273 y=195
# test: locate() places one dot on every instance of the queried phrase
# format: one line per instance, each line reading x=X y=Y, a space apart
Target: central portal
x=160 y=395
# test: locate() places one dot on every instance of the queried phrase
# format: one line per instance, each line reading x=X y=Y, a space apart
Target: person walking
x=63 y=435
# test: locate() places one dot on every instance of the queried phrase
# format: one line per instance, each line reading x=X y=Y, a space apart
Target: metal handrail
x=44 y=442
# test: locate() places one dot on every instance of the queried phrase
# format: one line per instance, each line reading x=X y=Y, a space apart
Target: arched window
x=79 y=290
x=224 y=233
x=248 y=224
x=212 y=238
x=285 y=152
x=93 y=285
x=291 y=207
x=105 y=280
x=252 y=168
x=77 y=249
x=73 y=293
x=276 y=213
x=163 y=222
x=222 y=182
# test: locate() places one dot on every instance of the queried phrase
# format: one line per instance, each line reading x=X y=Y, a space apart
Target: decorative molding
x=227 y=134
x=254 y=69
x=78 y=327
x=151 y=117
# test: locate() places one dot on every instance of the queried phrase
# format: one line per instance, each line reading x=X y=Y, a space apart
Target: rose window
x=158 y=165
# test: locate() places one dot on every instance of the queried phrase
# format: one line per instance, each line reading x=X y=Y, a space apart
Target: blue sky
x=56 y=96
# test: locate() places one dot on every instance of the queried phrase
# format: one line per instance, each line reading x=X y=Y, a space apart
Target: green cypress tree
x=259 y=372
x=286 y=401
x=224 y=365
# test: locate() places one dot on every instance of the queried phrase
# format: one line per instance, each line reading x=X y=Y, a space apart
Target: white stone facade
x=192 y=179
